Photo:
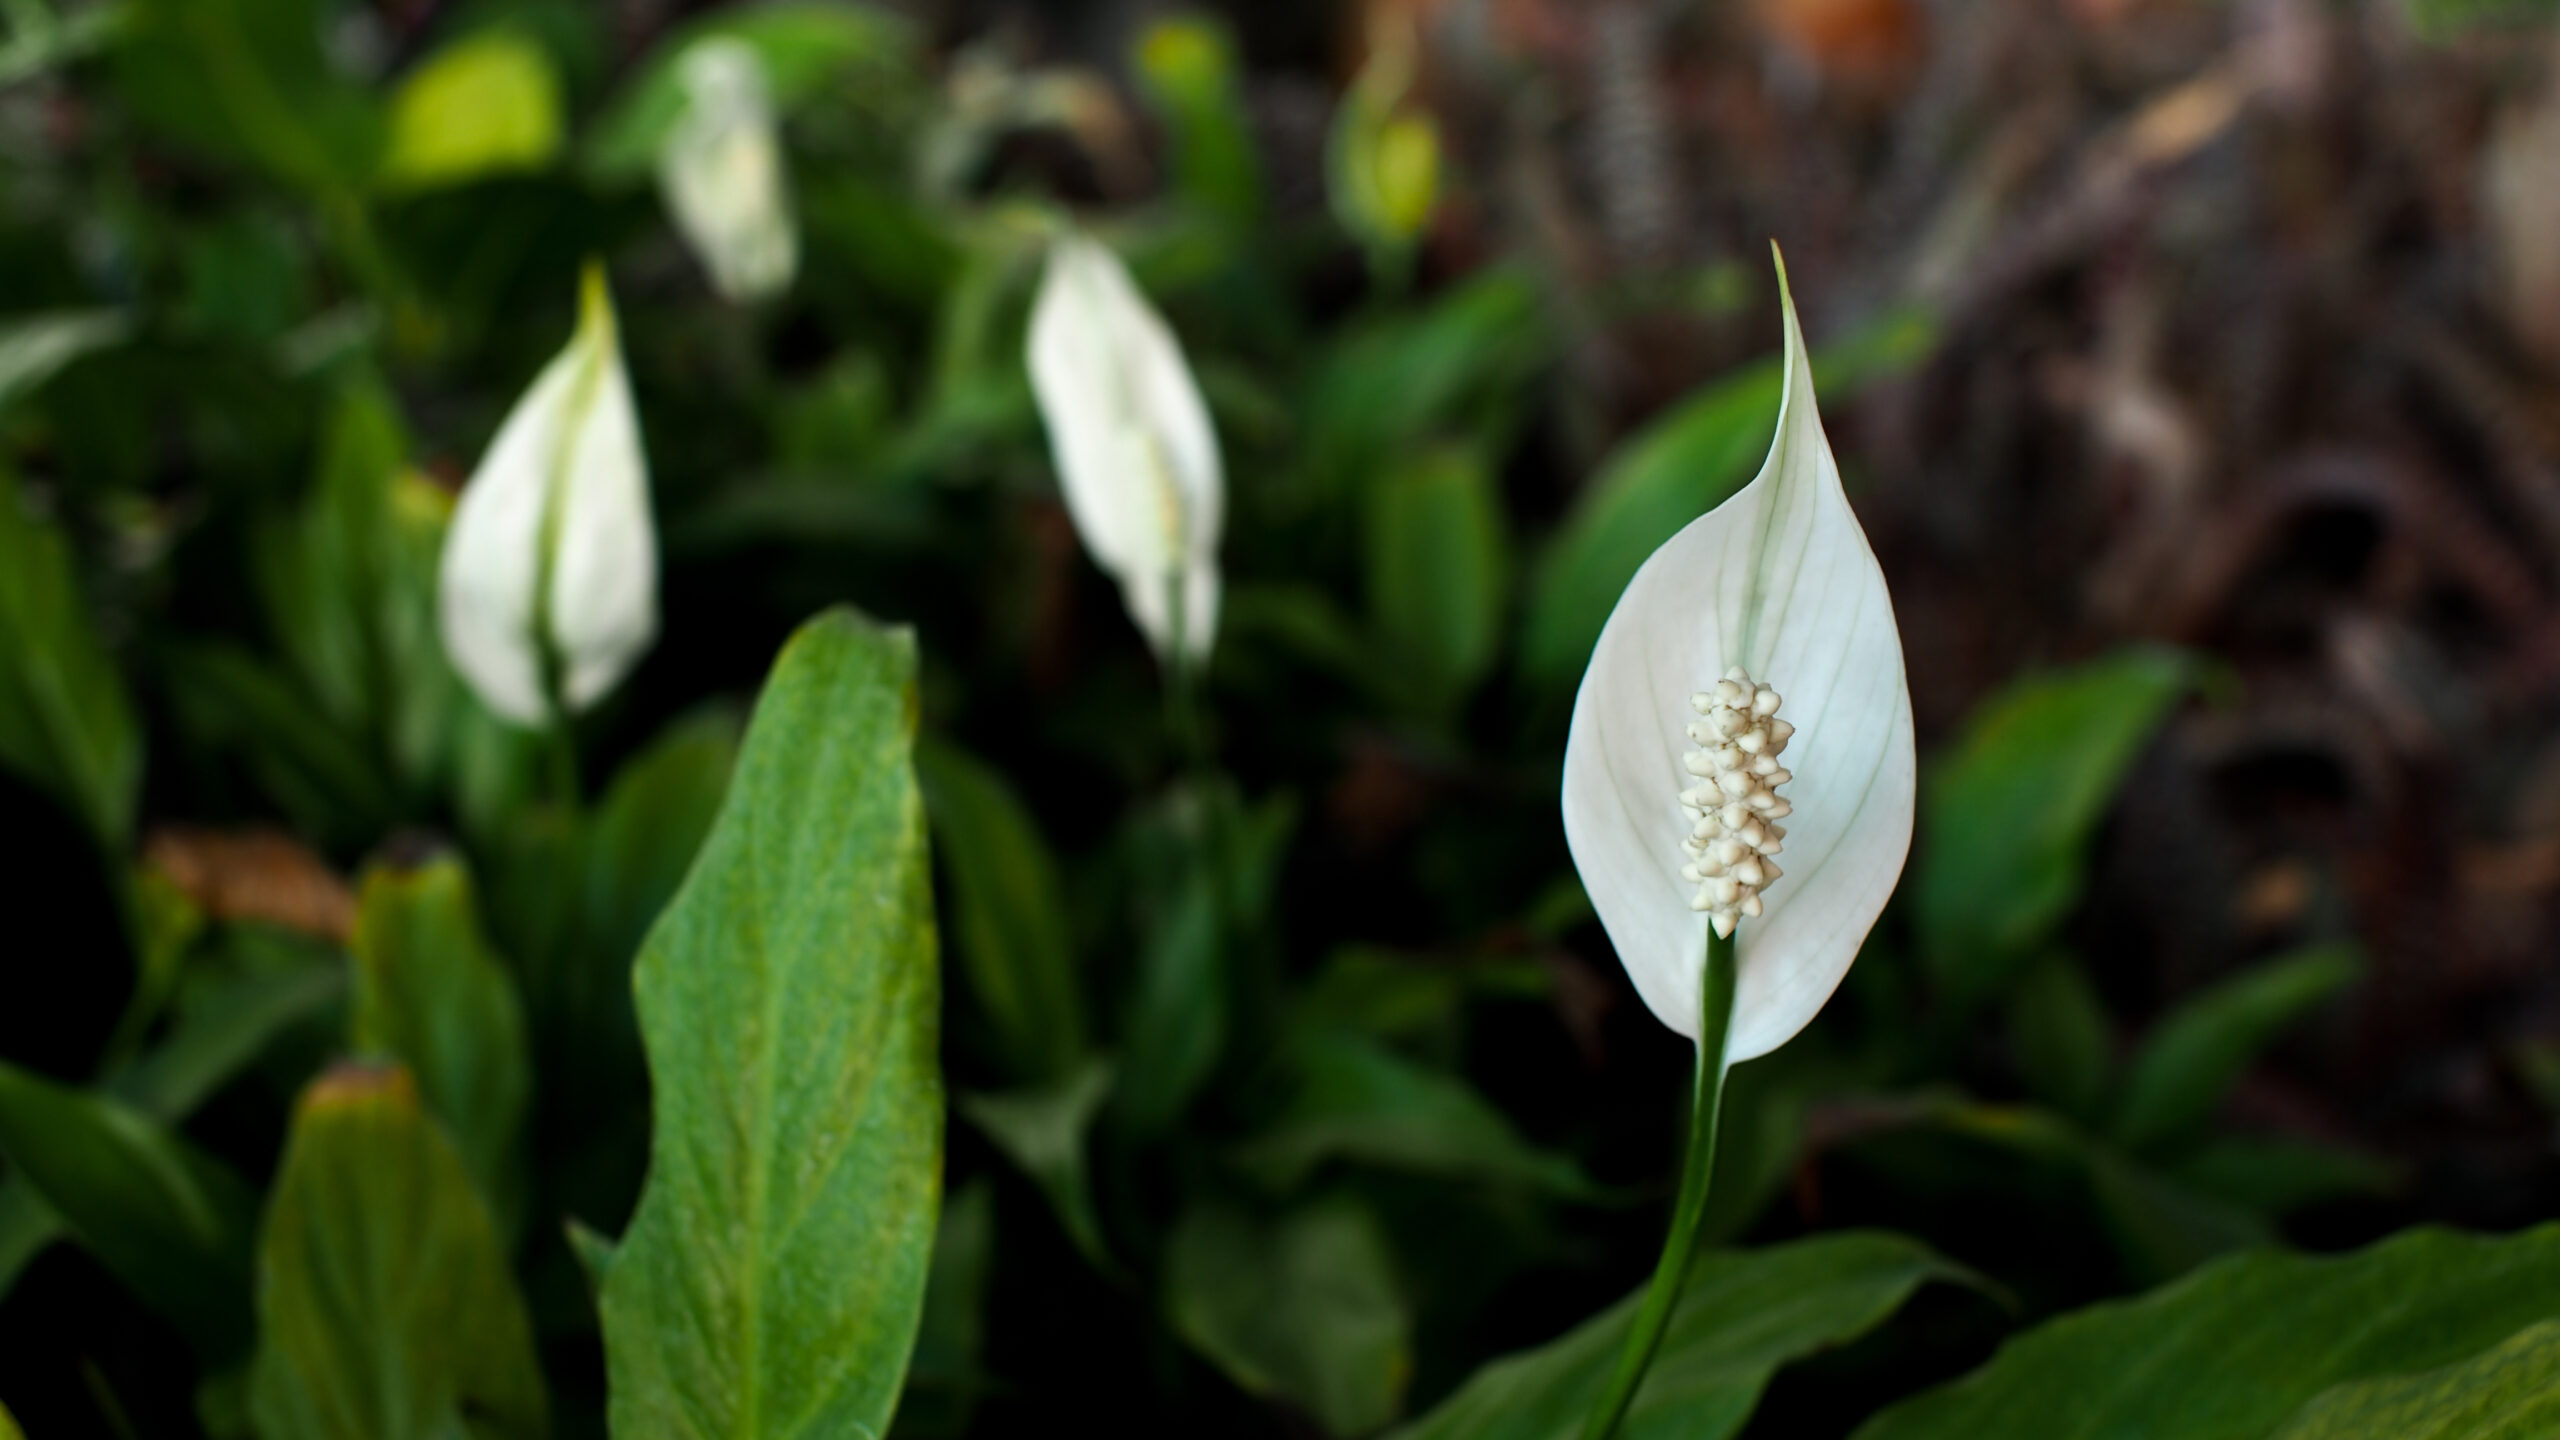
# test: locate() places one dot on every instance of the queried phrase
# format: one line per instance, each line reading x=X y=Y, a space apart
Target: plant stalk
x=1697 y=1169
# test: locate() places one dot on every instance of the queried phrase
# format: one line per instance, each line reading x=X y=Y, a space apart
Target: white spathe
x=552 y=542
x=722 y=173
x=1778 y=580
x=1131 y=438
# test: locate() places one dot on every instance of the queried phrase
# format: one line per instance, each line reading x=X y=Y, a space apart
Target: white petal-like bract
x=1131 y=438
x=552 y=543
x=721 y=171
x=1778 y=580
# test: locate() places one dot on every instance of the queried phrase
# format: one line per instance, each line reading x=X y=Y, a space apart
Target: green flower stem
x=1697 y=1168
x=1182 y=689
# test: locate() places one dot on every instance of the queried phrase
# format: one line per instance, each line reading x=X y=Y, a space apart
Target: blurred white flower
x=1131 y=438
x=1779 y=582
x=549 y=582
x=722 y=173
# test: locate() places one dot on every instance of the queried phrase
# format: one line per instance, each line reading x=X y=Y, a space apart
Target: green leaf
x=1009 y=910
x=2009 y=815
x=35 y=348
x=2160 y=1228
x=27 y=1225
x=487 y=104
x=2275 y=1176
x=318 y=773
x=228 y=1024
x=65 y=723
x=1177 y=1021
x=385 y=1309
x=1412 y=999
x=9 y=1426
x=2511 y=1392
x=2448 y=22
x=1305 y=1309
x=226 y=1027
x=771 y=1281
x=2059 y=1037
x=645 y=836
x=1349 y=1098
x=1187 y=67
x=807 y=46
x=1455 y=367
x=944 y=1381
x=1439 y=571
x=246 y=80
x=2190 y=1062
x=1744 y=1314
x=2230 y=1351
x=1674 y=470
x=430 y=994
x=348 y=580
x=170 y=1223
x=1042 y=1130
x=594 y=1253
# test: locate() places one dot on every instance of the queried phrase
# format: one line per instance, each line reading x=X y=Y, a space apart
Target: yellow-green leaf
x=430 y=994
x=488 y=104
x=385 y=1308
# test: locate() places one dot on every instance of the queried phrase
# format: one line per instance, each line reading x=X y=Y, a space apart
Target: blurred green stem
x=1181 y=689
x=1697 y=1168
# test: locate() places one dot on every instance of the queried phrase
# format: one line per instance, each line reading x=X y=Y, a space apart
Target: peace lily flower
x=1131 y=438
x=1672 y=775
x=722 y=174
x=548 y=591
x=1670 y=769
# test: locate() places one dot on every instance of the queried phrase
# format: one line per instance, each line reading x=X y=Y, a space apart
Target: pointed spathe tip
x=595 y=300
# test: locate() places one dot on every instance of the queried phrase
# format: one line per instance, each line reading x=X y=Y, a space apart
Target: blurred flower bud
x=722 y=173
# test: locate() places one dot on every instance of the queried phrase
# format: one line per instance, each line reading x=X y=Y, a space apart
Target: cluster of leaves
x=632 y=1042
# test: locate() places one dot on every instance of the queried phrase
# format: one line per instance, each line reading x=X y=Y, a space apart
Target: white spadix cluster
x=1734 y=807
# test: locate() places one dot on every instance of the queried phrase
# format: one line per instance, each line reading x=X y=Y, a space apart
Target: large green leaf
x=807 y=46
x=385 y=1310
x=64 y=720
x=2010 y=813
x=2509 y=1393
x=1744 y=1314
x=1306 y=1308
x=2201 y=1048
x=430 y=994
x=2229 y=1352
x=1009 y=911
x=771 y=1280
x=1676 y=469
x=1439 y=571
x=1347 y=1097
x=169 y=1222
